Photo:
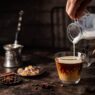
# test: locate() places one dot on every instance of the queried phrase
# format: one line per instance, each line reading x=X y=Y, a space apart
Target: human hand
x=76 y=8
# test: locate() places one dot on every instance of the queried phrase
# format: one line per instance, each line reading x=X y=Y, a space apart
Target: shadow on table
x=88 y=81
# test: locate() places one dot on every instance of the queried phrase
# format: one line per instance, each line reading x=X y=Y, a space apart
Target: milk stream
x=73 y=49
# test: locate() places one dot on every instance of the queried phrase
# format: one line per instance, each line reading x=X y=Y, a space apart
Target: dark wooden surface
x=48 y=83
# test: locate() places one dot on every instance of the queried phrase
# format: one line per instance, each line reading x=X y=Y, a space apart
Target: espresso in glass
x=69 y=69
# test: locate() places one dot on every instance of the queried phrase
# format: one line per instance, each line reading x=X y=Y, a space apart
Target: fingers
x=81 y=9
x=75 y=8
x=71 y=9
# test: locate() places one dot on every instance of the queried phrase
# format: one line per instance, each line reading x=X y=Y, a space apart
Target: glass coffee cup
x=69 y=67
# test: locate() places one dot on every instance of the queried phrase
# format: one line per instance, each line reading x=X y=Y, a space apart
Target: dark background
x=43 y=26
x=36 y=24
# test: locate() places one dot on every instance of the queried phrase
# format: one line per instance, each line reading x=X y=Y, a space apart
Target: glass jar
x=83 y=28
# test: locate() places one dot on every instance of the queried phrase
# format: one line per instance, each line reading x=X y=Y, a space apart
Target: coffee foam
x=69 y=60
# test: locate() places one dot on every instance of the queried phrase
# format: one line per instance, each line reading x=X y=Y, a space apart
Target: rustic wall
x=36 y=24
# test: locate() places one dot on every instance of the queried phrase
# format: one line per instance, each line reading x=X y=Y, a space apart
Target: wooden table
x=48 y=83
